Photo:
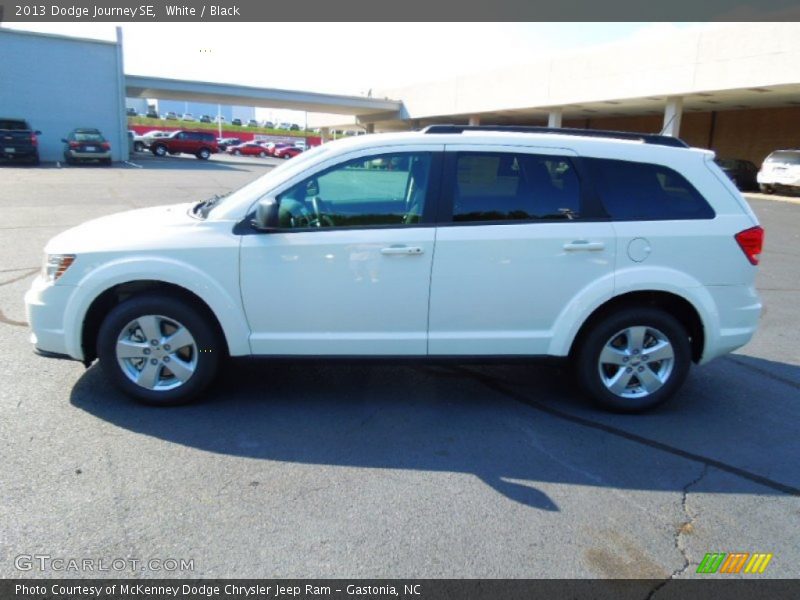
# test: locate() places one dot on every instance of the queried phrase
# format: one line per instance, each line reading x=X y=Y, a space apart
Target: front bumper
x=44 y=307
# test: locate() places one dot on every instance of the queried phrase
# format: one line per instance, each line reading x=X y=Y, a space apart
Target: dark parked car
x=225 y=143
x=131 y=112
x=237 y=122
x=205 y=119
x=18 y=141
x=86 y=144
x=200 y=143
x=248 y=149
x=151 y=114
x=741 y=172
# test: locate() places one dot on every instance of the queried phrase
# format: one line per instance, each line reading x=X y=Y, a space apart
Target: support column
x=672 y=116
x=325 y=134
x=554 y=118
x=370 y=127
x=474 y=121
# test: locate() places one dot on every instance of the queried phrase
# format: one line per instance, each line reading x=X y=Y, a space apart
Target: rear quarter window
x=632 y=191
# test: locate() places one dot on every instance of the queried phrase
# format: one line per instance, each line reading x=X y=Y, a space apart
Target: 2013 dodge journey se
x=630 y=256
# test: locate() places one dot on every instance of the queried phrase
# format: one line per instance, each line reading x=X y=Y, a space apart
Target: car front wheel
x=204 y=154
x=633 y=360
x=158 y=349
x=160 y=150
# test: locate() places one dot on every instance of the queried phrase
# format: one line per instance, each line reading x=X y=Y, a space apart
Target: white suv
x=781 y=169
x=630 y=256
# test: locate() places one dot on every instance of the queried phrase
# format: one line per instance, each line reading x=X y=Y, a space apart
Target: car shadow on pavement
x=190 y=163
x=457 y=419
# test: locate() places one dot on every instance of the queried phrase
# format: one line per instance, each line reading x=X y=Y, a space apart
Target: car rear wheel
x=204 y=154
x=138 y=147
x=633 y=360
x=766 y=189
x=237 y=152
x=158 y=349
x=262 y=154
x=160 y=150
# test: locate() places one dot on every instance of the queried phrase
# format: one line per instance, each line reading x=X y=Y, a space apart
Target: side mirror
x=266 y=215
x=37 y=132
x=64 y=140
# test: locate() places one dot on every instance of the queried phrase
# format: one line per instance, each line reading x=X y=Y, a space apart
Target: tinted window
x=633 y=191
x=501 y=187
x=389 y=189
x=13 y=125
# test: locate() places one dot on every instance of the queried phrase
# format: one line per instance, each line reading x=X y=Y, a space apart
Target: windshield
x=255 y=189
x=792 y=158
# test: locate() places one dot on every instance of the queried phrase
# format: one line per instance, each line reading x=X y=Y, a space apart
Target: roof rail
x=647 y=138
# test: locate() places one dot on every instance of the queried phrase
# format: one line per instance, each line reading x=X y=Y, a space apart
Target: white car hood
x=142 y=229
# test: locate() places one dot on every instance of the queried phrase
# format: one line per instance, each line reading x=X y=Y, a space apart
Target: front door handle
x=401 y=250
x=584 y=245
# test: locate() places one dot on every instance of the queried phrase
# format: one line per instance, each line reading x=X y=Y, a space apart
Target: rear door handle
x=402 y=250
x=584 y=245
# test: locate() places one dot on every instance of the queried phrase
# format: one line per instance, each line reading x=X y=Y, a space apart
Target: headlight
x=55 y=265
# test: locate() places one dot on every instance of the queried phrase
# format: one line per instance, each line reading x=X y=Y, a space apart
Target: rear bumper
x=76 y=155
x=738 y=310
x=19 y=153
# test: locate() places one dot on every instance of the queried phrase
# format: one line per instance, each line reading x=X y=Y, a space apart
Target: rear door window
x=632 y=191
x=499 y=186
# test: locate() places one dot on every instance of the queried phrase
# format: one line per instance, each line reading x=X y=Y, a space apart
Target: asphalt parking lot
x=385 y=471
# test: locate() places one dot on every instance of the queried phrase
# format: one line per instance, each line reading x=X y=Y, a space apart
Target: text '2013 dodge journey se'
x=628 y=255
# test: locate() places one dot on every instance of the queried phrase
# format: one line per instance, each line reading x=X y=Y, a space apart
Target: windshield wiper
x=203 y=207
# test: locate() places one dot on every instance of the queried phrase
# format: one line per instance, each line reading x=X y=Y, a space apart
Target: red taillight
x=106 y=146
x=74 y=144
x=34 y=140
x=751 y=241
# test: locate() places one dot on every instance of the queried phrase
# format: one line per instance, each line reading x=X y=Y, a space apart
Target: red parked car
x=200 y=143
x=287 y=152
x=247 y=149
x=272 y=147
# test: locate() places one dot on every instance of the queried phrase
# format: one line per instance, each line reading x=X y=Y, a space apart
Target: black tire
x=204 y=154
x=587 y=359
x=206 y=359
x=237 y=152
x=262 y=154
x=138 y=147
x=160 y=150
x=106 y=162
x=35 y=160
x=766 y=189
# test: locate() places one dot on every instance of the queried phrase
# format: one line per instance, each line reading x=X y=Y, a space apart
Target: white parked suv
x=629 y=256
x=780 y=170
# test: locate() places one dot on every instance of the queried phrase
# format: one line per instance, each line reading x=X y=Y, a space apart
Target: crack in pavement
x=497 y=386
x=5 y=320
x=28 y=272
x=685 y=528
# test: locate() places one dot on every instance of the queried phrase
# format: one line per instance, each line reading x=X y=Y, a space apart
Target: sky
x=344 y=58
